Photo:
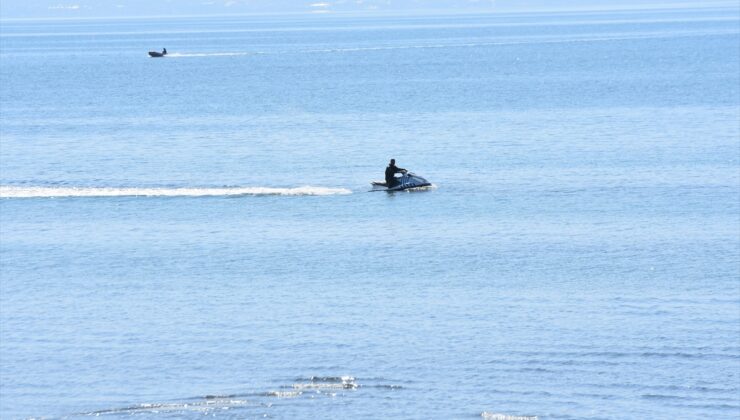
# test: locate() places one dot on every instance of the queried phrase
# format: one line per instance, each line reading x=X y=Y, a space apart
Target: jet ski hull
x=155 y=54
x=406 y=182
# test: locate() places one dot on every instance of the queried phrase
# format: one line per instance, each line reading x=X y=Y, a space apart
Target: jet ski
x=158 y=54
x=405 y=182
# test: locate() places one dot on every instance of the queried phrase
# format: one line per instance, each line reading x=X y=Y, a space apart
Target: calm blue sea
x=193 y=235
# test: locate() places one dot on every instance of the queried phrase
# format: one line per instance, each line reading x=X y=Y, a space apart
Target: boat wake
x=218 y=54
x=58 y=192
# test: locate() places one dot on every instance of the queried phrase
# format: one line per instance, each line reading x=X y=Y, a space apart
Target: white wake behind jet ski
x=405 y=182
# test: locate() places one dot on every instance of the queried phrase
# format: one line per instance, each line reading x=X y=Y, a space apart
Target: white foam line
x=222 y=54
x=49 y=192
x=499 y=416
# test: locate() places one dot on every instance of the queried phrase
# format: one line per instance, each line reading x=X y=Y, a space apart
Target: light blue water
x=193 y=235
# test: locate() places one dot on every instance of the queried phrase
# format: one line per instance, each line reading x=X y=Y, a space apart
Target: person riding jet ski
x=392 y=169
x=407 y=181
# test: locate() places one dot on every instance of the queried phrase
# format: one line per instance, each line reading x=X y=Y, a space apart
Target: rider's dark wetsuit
x=390 y=180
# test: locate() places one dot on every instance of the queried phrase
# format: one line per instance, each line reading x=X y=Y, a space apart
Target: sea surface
x=195 y=235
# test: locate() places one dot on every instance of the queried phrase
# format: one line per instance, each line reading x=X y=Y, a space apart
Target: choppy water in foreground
x=194 y=235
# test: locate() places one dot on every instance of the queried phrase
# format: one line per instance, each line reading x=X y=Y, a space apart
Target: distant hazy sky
x=92 y=8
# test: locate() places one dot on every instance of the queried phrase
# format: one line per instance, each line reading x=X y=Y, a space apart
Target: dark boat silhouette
x=158 y=54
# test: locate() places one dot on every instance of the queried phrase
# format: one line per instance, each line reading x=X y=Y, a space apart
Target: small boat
x=405 y=182
x=158 y=54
